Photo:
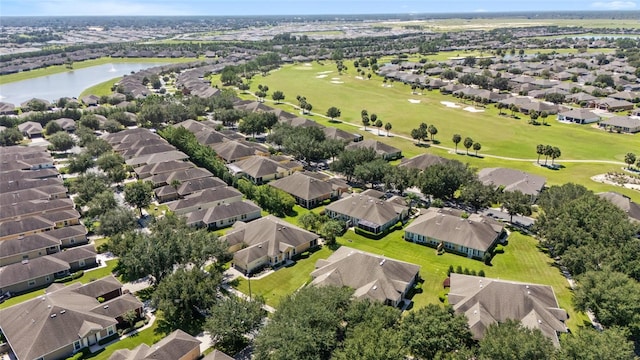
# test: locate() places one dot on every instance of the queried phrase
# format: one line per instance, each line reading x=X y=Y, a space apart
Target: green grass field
x=488 y=24
x=104 y=88
x=4 y=79
x=499 y=135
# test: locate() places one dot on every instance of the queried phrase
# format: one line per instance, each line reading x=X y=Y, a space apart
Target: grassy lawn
x=499 y=135
x=4 y=79
x=522 y=261
x=286 y=280
x=103 y=88
x=85 y=278
x=299 y=211
x=148 y=336
x=157 y=210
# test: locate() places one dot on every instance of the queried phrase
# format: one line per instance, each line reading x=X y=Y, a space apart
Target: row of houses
x=41 y=237
x=203 y=199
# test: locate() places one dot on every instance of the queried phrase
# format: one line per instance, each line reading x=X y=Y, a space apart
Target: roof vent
x=528 y=292
x=105 y=307
x=63 y=311
x=375 y=287
x=53 y=315
x=382 y=262
x=527 y=286
x=25 y=261
x=539 y=321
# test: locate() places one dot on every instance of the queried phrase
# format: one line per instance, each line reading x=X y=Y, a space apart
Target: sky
x=294 y=7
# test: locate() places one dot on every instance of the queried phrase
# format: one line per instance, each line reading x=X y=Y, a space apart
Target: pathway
x=453 y=150
x=152 y=319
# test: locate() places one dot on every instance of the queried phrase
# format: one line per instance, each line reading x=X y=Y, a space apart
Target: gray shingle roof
x=513 y=180
x=27 y=244
x=624 y=203
x=379 y=147
x=173 y=346
x=372 y=276
x=303 y=186
x=366 y=208
x=31 y=269
x=423 y=161
x=476 y=232
x=486 y=301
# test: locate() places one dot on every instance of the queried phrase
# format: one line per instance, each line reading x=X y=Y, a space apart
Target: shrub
x=437 y=203
x=109 y=338
x=450 y=270
x=459 y=269
x=466 y=271
x=473 y=272
x=499 y=249
x=481 y=273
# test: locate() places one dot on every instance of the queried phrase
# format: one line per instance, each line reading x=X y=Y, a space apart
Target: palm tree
x=476 y=147
x=468 y=142
x=500 y=106
x=555 y=153
x=456 y=140
x=548 y=150
x=365 y=121
x=539 y=151
x=433 y=131
x=378 y=124
x=629 y=159
x=388 y=127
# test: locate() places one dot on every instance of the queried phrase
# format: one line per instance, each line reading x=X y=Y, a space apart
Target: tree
x=79 y=163
x=52 y=127
x=138 y=194
x=253 y=123
x=516 y=203
x=305 y=325
x=540 y=151
x=330 y=230
x=630 y=159
x=613 y=297
x=229 y=76
x=511 y=340
x=349 y=159
x=310 y=221
x=87 y=185
x=101 y=203
x=181 y=308
x=555 y=153
x=116 y=221
x=443 y=180
x=277 y=96
x=109 y=161
x=477 y=194
x=231 y=319
x=432 y=131
x=378 y=124
x=555 y=98
x=544 y=115
x=372 y=172
x=548 y=150
x=434 y=329
x=130 y=317
x=61 y=141
x=589 y=344
x=308 y=107
x=477 y=147
x=90 y=121
x=456 y=140
x=388 y=127
x=10 y=136
x=468 y=142
x=333 y=112
x=371 y=333
x=365 y=121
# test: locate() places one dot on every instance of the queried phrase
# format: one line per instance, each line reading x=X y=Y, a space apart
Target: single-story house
x=579 y=116
x=232 y=151
x=68 y=125
x=267 y=241
x=261 y=169
x=383 y=150
x=623 y=202
x=367 y=213
x=59 y=323
x=331 y=132
x=145 y=171
x=179 y=176
x=205 y=199
x=169 y=192
x=513 y=180
x=473 y=236
x=309 y=191
x=224 y=215
x=90 y=100
x=612 y=105
x=30 y=129
x=371 y=276
x=176 y=346
x=624 y=124
x=423 y=161
x=486 y=301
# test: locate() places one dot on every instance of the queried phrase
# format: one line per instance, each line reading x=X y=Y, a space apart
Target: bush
x=450 y=270
x=499 y=249
x=74 y=276
x=437 y=203
x=481 y=273
x=459 y=269
x=108 y=339
x=370 y=235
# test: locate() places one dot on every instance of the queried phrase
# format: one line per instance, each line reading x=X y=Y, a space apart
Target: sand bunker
x=449 y=104
x=387 y=85
x=359 y=78
x=414 y=101
x=472 y=109
x=335 y=78
x=321 y=76
x=324 y=72
x=337 y=82
x=307 y=64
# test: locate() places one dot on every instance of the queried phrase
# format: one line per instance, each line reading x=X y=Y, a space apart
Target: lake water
x=70 y=83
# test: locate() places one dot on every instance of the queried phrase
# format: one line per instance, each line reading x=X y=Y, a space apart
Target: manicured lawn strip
x=148 y=336
x=85 y=278
x=104 y=88
x=299 y=211
x=286 y=280
x=522 y=261
x=4 y=79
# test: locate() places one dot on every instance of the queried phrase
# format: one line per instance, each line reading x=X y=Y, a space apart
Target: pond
x=70 y=83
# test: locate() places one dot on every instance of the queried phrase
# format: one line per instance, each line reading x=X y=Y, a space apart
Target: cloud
x=480 y=10
x=109 y=8
x=614 y=5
